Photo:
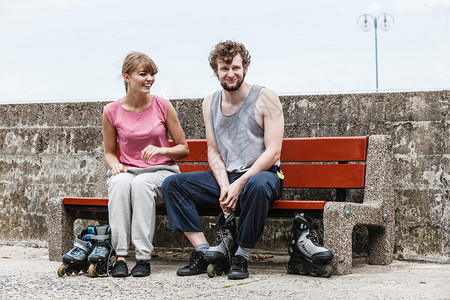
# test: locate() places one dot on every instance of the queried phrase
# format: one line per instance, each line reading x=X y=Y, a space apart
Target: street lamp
x=366 y=20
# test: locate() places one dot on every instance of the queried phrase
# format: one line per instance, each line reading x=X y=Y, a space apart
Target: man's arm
x=269 y=114
x=214 y=159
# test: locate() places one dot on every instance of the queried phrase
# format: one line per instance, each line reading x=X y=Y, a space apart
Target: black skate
x=307 y=256
x=220 y=253
x=100 y=261
x=76 y=260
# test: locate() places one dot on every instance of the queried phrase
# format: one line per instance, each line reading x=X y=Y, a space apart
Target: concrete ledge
x=55 y=149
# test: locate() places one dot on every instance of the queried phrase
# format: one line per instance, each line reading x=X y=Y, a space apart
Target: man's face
x=231 y=76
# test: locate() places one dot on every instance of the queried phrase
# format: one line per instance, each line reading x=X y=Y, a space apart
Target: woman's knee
x=144 y=186
x=121 y=179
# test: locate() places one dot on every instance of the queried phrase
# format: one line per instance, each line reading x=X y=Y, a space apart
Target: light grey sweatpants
x=132 y=207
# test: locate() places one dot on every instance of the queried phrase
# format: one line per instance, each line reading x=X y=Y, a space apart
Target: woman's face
x=140 y=80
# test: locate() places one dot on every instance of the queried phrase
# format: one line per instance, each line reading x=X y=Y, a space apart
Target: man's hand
x=230 y=195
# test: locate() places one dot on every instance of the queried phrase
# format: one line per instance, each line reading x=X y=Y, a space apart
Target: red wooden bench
x=337 y=163
x=339 y=175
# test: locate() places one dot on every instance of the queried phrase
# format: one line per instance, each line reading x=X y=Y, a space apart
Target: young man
x=244 y=132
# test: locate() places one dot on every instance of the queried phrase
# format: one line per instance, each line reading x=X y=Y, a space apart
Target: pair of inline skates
x=91 y=253
x=306 y=255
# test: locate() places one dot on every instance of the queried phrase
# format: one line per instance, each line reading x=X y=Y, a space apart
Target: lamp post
x=365 y=21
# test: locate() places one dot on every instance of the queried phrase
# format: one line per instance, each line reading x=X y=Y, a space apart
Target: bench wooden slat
x=300 y=149
x=300 y=205
x=85 y=201
x=325 y=149
x=277 y=204
x=198 y=151
x=193 y=168
x=323 y=175
x=310 y=175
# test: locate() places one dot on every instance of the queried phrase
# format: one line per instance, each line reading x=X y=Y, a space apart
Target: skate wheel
x=61 y=270
x=330 y=271
x=210 y=270
x=76 y=272
x=296 y=267
x=295 y=271
x=92 y=271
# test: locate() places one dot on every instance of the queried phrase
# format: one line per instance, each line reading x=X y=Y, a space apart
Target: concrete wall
x=53 y=149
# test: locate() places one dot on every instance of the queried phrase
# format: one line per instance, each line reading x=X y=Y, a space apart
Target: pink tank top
x=137 y=130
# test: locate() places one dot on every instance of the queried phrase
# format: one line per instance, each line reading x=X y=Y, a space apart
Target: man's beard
x=228 y=88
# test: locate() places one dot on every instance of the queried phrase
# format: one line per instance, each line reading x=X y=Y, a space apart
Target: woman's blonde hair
x=136 y=59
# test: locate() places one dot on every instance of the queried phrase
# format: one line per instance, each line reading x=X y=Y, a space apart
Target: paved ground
x=26 y=273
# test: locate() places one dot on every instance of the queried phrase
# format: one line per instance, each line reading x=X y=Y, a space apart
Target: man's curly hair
x=226 y=51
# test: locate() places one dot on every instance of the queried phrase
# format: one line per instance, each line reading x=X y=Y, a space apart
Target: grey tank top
x=239 y=137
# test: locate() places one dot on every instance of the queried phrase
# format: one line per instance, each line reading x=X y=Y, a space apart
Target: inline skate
x=100 y=258
x=76 y=260
x=307 y=256
x=222 y=250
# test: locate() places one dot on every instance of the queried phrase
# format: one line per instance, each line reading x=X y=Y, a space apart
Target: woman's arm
x=110 y=141
x=180 y=148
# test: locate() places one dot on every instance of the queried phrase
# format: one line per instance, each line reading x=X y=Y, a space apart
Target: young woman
x=139 y=123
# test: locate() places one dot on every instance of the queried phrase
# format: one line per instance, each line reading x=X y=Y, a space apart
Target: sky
x=72 y=50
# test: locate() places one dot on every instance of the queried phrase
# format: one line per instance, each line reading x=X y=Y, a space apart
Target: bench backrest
x=300 y=159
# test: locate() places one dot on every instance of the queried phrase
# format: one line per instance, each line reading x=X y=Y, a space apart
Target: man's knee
x=258 y=183
x=258 y=187
x=168 y=184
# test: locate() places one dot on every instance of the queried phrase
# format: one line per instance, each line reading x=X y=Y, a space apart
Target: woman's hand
x=150 y=151
x=119 y=169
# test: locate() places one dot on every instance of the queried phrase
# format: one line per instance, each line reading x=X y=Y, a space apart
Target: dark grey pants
x=183 y=193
